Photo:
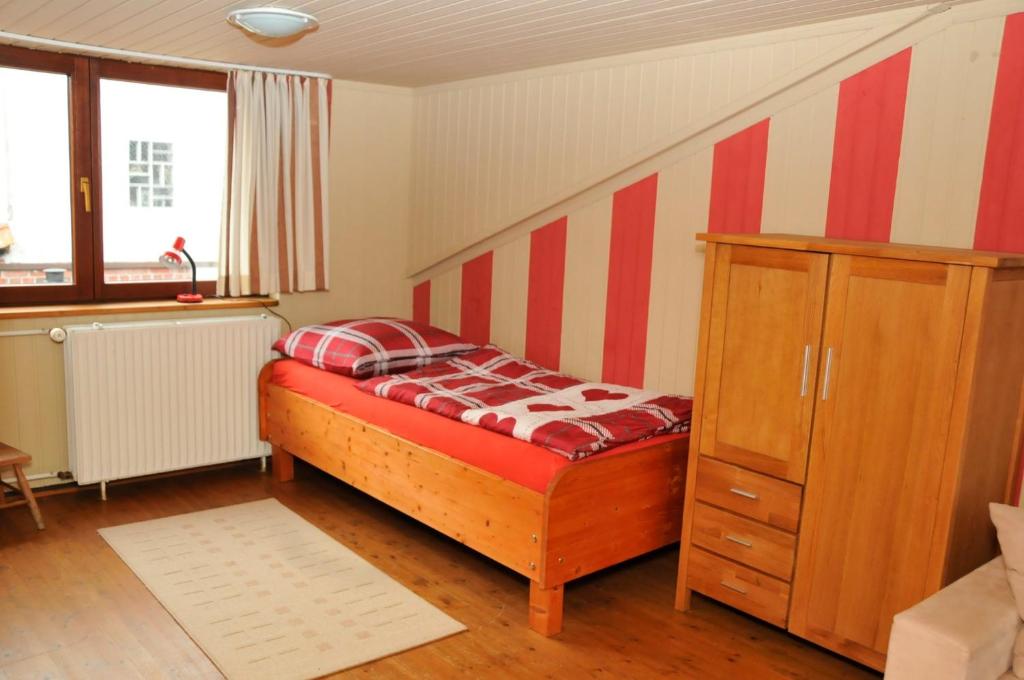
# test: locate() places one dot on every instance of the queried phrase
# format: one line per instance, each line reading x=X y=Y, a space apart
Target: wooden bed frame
x=597 y=512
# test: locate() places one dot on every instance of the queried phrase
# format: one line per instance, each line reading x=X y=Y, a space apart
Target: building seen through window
x=150 y=174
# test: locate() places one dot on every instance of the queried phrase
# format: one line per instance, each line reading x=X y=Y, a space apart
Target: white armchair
x=966 y=631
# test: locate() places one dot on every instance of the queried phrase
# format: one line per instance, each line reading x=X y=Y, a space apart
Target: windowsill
x=140 y=307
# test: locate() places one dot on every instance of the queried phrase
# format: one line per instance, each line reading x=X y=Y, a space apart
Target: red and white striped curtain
x=274 y=223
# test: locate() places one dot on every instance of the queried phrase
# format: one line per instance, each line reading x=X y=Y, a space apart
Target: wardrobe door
x=890 y=347
x=763 y=340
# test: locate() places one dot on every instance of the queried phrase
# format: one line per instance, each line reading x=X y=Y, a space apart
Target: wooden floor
x=70 y=608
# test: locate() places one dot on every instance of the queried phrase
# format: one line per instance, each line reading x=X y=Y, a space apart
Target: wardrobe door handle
x=828 y=374
x=807 y=371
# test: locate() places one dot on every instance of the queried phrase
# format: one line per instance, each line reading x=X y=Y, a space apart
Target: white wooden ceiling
x=419 y=42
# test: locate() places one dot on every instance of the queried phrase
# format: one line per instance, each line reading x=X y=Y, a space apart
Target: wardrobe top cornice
x=896 y=251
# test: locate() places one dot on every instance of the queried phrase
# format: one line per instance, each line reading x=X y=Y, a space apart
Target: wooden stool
x=12 y=457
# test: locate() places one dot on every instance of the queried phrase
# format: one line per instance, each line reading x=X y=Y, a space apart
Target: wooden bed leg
x=683 y=599
x=283 y=464
x=546 y=609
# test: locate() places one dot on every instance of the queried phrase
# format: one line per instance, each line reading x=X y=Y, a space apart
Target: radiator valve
x=58 y=334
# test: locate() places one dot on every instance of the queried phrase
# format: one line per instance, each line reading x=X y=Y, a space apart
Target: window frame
x=76 y=68
x=84 y=75
x=153 y=75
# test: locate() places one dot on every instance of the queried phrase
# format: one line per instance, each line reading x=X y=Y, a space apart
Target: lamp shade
x=170 y=259
x=272 y=22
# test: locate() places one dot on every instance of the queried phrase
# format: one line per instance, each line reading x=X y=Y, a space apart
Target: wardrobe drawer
x=755 y=593
x=751 y=543
x=747 y=493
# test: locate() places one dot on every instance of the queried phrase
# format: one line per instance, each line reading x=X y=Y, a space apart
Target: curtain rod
x=132 y=55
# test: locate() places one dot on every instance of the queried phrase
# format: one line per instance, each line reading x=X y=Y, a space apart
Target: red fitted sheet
x=527 y=464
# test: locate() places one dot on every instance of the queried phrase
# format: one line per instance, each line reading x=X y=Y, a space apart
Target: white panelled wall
x=491 y=152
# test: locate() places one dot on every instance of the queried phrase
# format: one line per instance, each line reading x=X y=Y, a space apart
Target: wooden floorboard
x=70 y=608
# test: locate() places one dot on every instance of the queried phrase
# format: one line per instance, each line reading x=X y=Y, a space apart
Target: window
x=36 y=212
x=170 y=184
x=102 y=165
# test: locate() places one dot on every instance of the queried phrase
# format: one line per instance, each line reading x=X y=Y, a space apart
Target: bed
x=519 y=504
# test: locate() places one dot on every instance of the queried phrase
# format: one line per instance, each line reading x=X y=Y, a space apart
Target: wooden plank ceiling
x=419 y=42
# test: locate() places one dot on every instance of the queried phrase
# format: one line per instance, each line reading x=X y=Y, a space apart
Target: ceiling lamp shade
x=272 y=22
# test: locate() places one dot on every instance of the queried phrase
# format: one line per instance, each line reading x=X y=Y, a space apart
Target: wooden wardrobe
x=858 y=405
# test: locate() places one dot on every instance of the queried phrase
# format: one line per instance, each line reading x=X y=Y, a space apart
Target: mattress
x=526 y=464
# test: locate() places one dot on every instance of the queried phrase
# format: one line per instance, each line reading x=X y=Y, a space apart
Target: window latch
x=83 y=186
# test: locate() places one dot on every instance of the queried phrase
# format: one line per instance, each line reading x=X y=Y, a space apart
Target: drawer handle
x=735 y=588
x=746 y=494
x=739 y=541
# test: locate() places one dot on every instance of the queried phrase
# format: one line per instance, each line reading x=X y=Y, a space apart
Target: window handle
x=83 y=186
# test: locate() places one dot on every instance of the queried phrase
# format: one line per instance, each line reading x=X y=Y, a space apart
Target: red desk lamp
x=172 y=259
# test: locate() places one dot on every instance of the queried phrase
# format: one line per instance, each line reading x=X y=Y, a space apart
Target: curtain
x=274 y=224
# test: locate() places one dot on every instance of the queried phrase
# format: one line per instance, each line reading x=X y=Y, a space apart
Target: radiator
x=152 y=397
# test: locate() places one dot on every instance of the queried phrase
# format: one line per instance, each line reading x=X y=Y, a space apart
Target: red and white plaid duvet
x=513 y=396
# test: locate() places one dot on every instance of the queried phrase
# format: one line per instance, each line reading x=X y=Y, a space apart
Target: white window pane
x=35 y=172
x=180 y=136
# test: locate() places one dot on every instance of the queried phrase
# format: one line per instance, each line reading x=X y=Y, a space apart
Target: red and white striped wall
x=925 y=146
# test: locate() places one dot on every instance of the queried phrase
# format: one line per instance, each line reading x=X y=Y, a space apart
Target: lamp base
x=190 y=298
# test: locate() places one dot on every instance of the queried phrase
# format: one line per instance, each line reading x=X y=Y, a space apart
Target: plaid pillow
x=362 y=348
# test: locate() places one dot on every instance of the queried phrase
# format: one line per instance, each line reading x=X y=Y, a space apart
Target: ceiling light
x=272 y=22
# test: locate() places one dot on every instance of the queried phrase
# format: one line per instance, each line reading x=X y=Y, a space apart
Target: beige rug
x=268 y=595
